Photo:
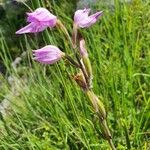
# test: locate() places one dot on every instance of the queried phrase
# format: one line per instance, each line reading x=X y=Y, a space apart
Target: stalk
x=86 y=85
x=61 y=26
x=100 y=110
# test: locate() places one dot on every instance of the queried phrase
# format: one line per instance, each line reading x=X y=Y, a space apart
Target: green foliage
x=50 y=112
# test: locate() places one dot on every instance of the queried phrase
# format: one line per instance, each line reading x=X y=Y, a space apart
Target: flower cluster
x=41 y=19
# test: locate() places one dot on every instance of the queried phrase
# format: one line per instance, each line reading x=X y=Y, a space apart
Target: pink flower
x=82 y=20
x=38 y=20
x=48 y=54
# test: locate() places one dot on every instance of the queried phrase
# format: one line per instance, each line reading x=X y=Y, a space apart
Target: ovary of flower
x=82 y=20
x=38 y=20
x=48 y=54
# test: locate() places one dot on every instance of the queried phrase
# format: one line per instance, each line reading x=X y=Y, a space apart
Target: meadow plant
x=39 y=20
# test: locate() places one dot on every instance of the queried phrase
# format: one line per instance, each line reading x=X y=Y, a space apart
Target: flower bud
x=86 y=61
x=97 y=104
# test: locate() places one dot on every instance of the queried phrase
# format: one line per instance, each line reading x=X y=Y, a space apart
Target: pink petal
x=41 y=15
x=47 y=49
x=26 y=29
x=47 y=60
x=31 y=28
x=96 y=15
x=90 y=20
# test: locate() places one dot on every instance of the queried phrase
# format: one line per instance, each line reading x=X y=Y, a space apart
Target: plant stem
x=100 y=110
x=97 y=104
x=74 y=46
x=63 y=28
x=111 y=144
x=107 y=133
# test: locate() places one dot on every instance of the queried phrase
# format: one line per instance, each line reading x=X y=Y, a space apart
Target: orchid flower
x=48 y=54
x=82 y=20
x=38 y=20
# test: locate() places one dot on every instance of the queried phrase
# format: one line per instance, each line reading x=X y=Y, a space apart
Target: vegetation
x=47 y=109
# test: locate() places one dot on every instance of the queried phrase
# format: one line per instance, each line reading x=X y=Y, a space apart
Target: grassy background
x=48 y=110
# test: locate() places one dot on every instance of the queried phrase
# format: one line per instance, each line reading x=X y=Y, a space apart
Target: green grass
x=50 y=112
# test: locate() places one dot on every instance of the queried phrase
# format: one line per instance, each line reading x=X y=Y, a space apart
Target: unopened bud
x=97 y=104
x=86 y=61
x=83 y=50
x=100 y=110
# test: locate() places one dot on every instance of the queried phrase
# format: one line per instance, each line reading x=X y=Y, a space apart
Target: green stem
x=100 y=110
x=63 y=28
x=111 y=144
x=107 y=134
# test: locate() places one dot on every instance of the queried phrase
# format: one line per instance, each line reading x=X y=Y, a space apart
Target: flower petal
x=90 y=20
x=31 y=28
x=42 y=15
x=26 y=29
